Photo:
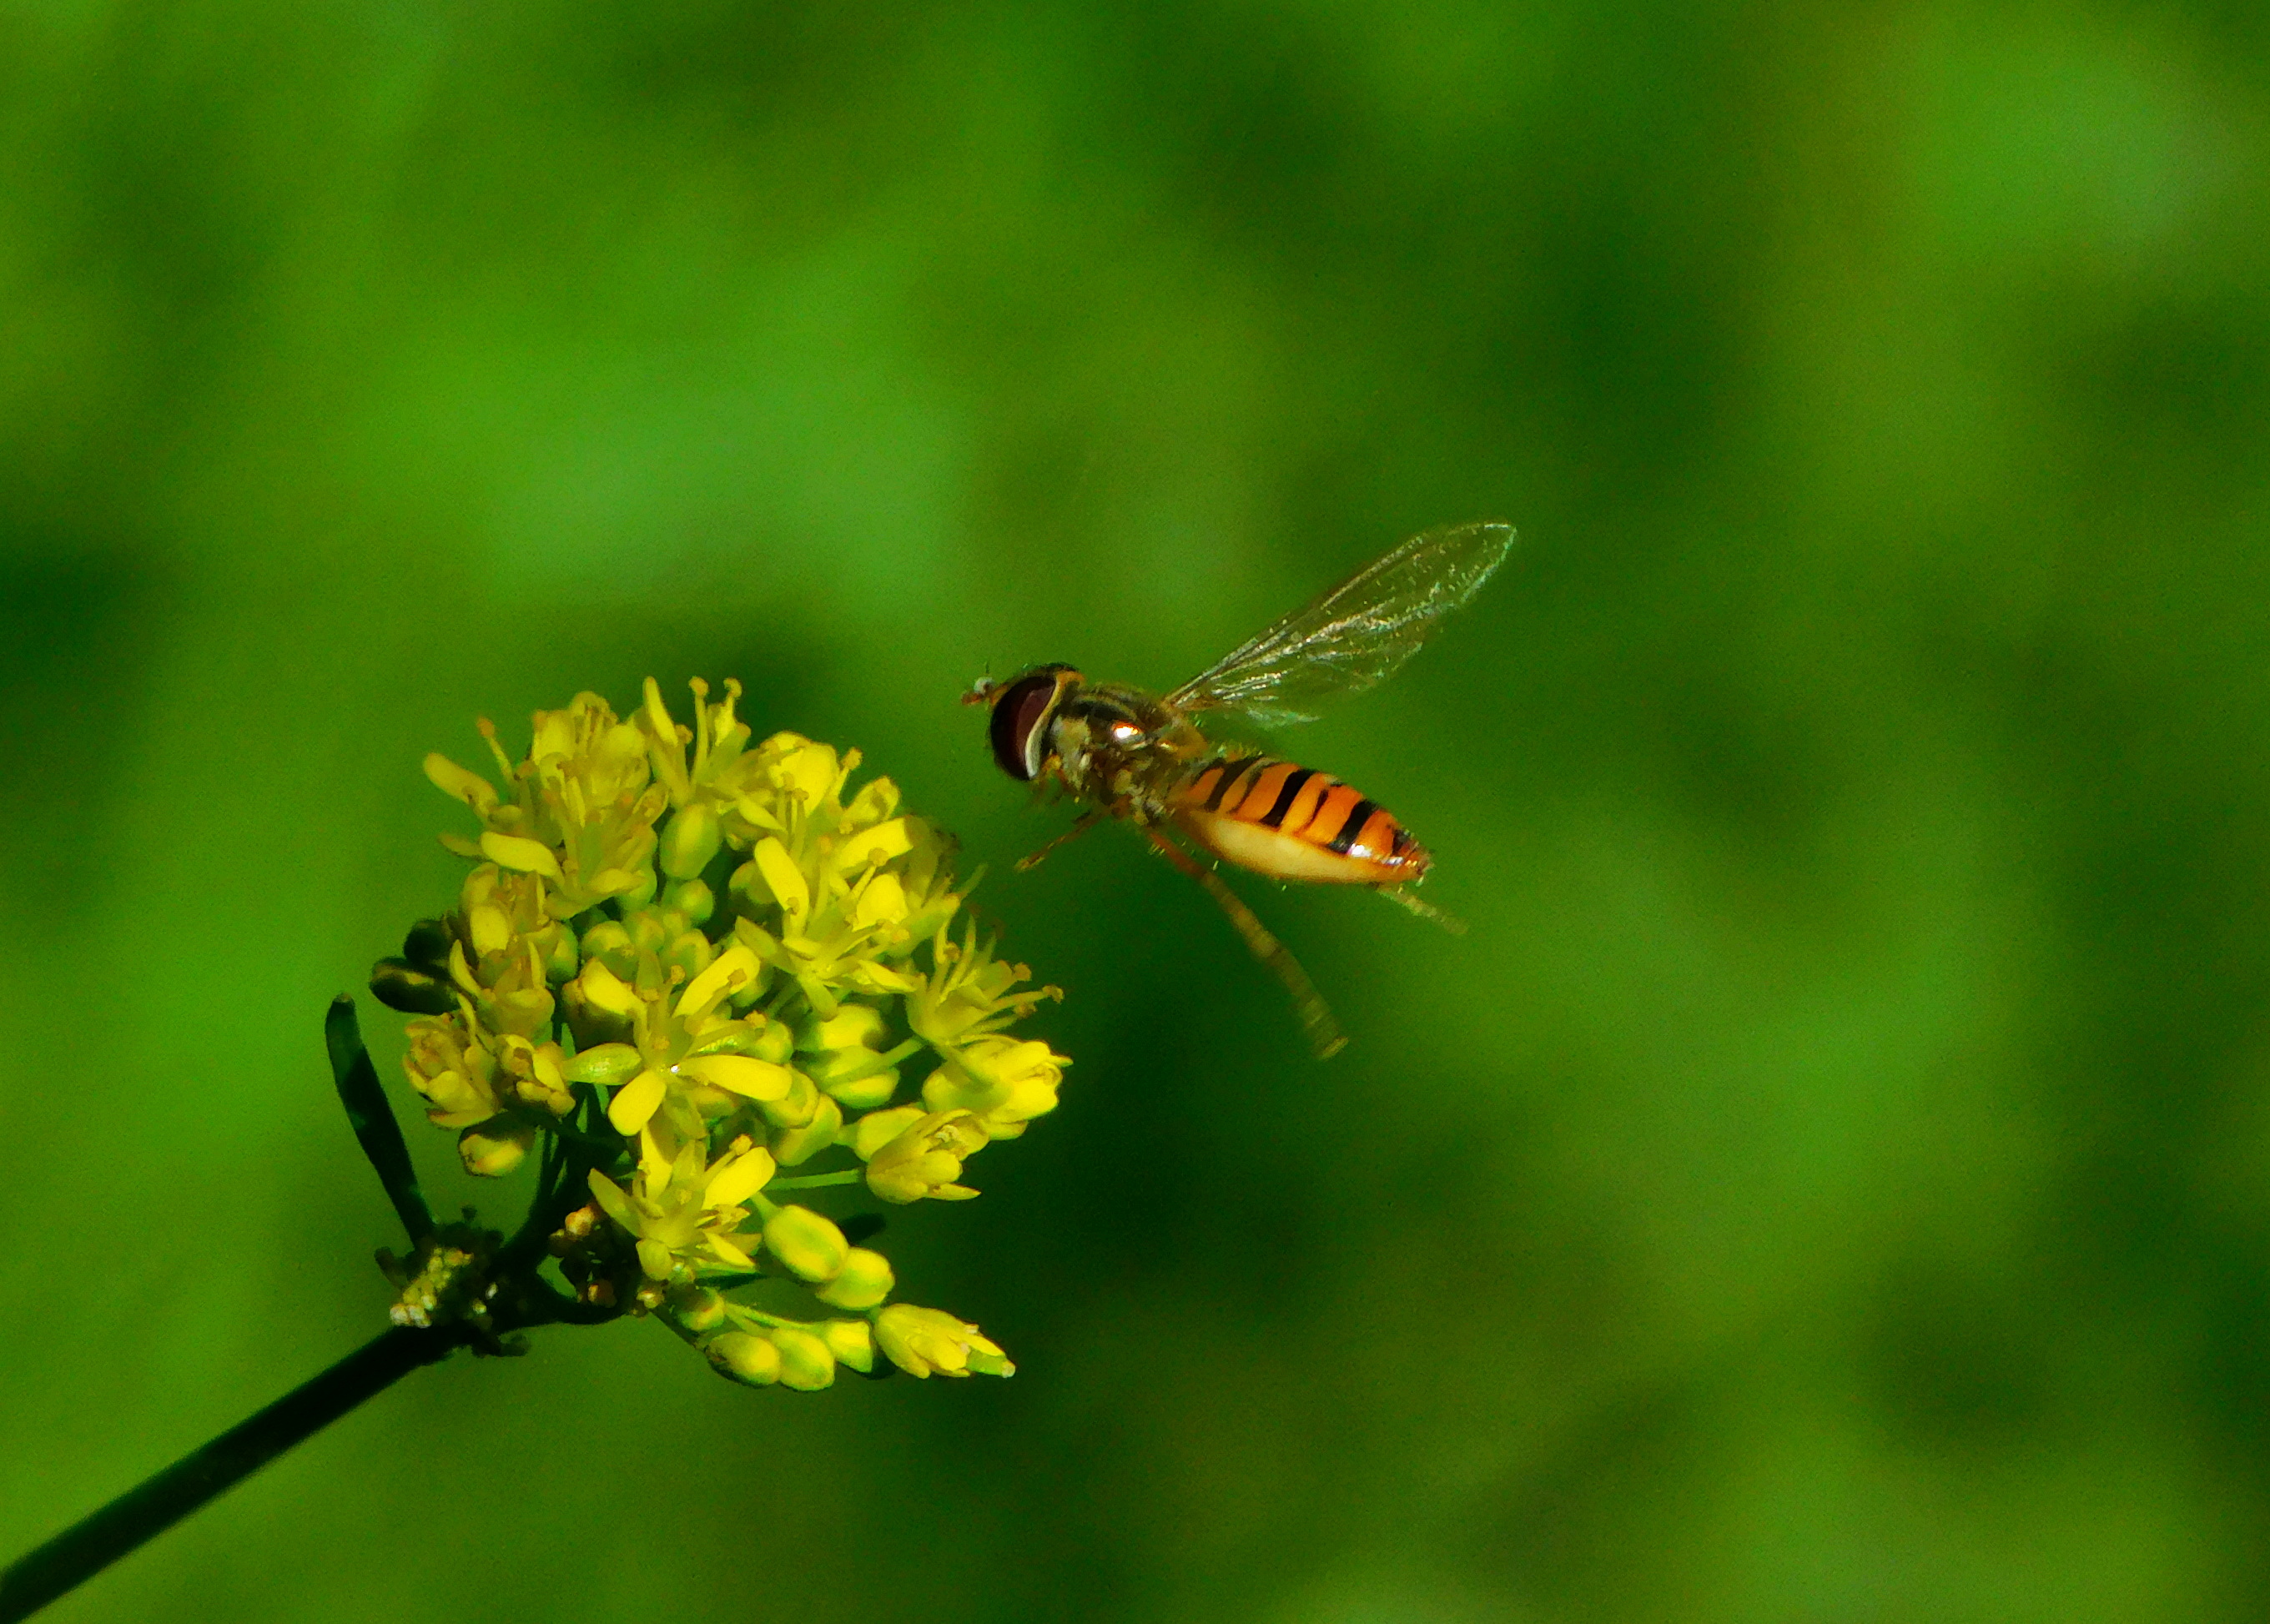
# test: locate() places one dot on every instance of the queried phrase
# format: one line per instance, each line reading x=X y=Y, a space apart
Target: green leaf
x=372 y=1119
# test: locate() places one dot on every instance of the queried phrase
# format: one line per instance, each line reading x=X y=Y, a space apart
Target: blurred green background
x=1831 y=1181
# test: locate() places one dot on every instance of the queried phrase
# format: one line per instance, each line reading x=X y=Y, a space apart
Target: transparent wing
x=1354 y=635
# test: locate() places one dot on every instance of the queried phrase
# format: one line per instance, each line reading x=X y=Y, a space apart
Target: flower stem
x=141 y=1513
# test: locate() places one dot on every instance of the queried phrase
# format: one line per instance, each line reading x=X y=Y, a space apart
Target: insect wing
x=1356 y=634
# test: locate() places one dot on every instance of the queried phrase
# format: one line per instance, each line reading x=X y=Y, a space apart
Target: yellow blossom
x=683 y=960
x=926 y=1159
x=969 y=993
x=1003 y=1082
x=685 y=1215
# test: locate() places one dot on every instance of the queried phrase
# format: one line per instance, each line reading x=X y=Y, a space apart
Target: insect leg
x=1402 y=898
x=1080 y=825
x=1324 y=1033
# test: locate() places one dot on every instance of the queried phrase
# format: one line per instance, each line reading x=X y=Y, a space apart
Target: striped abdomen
x=1294 y=823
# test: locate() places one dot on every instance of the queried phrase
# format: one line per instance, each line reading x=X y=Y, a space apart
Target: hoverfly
x=1139 y=757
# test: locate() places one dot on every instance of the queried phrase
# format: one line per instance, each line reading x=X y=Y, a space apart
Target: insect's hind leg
x=1402 y=897
x=1324 y=1033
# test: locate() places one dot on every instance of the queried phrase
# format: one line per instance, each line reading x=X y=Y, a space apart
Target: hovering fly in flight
x=1139 y=757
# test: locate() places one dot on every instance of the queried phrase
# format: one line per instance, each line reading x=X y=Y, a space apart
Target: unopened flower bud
x=690 y=839
x=807 y=1363
x=495 y=1149
x=865 y=1280
x=792 y=1146
x=852 y=1341
x=794 y=1108
x=698 y=1307
x=427 y=944
x=877 y=1129
x=808 y=1246
x=693 y=899
x=742 y=1356
x=923 y=1341
x=611 y=944
x=688 y=951
x=864 y=1093
x=400 y=985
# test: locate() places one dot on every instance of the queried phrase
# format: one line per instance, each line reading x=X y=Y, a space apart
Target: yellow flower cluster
x=684 y=962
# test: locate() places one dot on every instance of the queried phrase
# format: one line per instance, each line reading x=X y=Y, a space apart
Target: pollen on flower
x=684 y=978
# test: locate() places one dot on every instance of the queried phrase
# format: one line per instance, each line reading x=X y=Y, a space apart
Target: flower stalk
x=141 y=1513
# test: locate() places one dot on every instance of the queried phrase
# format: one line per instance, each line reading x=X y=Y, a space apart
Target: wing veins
x=1355 y=636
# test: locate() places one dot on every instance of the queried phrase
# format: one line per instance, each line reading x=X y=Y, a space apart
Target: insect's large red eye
x=1020 y=742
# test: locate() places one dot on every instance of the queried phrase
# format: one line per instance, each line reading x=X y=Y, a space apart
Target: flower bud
x=856 y=1025
x=643 y=888
x=427 y=944
x=807 y=1363
x=698 y=1307
x=864 y=1093
x=400 y=985
x=852 y=1341
x=495 y=1149
x=690 y=952
x=807 y=1245
x=921 y=1341
x=611 y=944
x=693 y=899
x=691 y=839
x=649 y=930
x=877 y=1129
x=863 y=1280
x=741 y=1356
x=792 y=1146
x=794 y=1108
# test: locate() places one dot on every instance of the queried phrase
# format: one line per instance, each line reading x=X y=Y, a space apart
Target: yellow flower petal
x=467 y=786
x=741 y=1074
x=879 y=844
x=807 y=769
x=519 y=854
x=735 y=1181
x=636 y=1101
x=735 y=967
x=605 y=992
x=726 y=1252
x=783 y=878
x=611 y=1198
x=884 y=901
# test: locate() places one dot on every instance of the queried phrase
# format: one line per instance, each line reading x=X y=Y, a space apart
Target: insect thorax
x=1123 y=749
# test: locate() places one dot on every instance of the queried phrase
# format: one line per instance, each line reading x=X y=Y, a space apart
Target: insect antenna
x=1324 y=1033
x=1402 y=898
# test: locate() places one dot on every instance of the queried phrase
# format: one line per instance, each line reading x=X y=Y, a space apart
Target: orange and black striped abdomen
x=1293 y=822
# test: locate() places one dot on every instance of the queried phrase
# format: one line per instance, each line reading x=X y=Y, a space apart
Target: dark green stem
x=141 y=1513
